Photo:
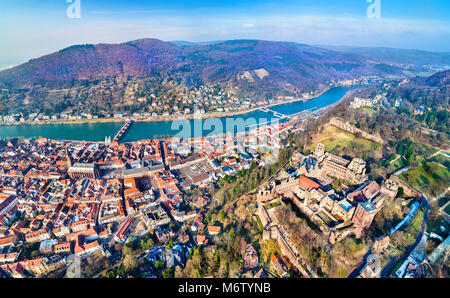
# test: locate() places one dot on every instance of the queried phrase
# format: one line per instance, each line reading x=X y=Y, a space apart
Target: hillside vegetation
x=101 y=75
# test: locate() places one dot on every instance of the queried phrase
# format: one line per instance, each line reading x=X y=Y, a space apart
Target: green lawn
x=260 y=225
x=396 y=268
x=398 y=164
x=367 y=110
x=414 y=226
x=443 y=160
x=272 y=205
x=432 y=182
x=424 y=150
x=333 y=137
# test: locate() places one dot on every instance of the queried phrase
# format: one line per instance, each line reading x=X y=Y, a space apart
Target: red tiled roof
x=7 y=240
x=214 y=229
x=306 y=183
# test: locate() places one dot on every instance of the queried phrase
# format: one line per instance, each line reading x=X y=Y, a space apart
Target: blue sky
x=32 y=28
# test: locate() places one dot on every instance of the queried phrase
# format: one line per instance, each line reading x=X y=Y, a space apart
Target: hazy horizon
x=4 y=66
x=36 y=28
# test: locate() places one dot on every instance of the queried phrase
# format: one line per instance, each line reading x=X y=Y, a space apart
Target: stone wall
x=409 y=191
x=354 y=130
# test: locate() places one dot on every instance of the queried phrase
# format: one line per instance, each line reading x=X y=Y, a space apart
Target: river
x=147 y=130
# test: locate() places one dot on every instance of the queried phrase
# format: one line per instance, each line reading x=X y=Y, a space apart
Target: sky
x=33 y=28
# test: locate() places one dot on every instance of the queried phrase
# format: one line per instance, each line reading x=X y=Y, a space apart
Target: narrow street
x=385 y=272
x=387 y=269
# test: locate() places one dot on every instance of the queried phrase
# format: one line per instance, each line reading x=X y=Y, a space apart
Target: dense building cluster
x=61 y=198
x=308 y=185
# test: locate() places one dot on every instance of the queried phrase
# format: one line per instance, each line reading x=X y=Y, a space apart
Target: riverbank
x=170 y=117
x=95 y=130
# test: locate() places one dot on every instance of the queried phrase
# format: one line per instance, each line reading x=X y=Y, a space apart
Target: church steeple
x=69 y=160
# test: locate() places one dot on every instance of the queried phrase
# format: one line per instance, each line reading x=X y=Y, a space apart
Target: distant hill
x=440 y=79
x=184 y=43
x=432 y=92
x=111 y=77
x=287 y=64
x=397 y=56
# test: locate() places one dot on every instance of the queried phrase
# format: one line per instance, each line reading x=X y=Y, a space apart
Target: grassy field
x=432 y=182
x=367 y=110
x=414 y=226
x=272 y=205
x=398 y=164
x=423 y=149
x=442 y=159
x=333 y=137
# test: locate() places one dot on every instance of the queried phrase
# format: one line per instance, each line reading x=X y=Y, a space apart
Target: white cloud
x=121 y=12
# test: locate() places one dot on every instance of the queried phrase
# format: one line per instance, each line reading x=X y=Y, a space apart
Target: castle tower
x=68 y=160
x=264 y=195
x=320 y=150
x=358 y=166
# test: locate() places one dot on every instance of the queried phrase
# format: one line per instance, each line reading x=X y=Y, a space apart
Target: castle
x=337 y=215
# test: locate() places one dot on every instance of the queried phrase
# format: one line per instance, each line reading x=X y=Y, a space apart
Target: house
x=250 y=258
x=54 y=262
x=366 y=192
x=78 y=226
x=122 y=233
x=278 y=265
x=363 y=216
x=90 y=235
x=62 y=248
x=343 y=210
x=86 y=248
x=8 y=241
x=8 y=258
x=15 y=270
x=184 y=237
x=201 y=202
x=46 y=246
x=37 y=236
x=381 y=244
x=214 y=230
x=164 y=234
x=198 y=225
x=8 y=204
x=36 y=266
x=177 y=256
x=201 y=239
x=307 y=184
x=61 y=231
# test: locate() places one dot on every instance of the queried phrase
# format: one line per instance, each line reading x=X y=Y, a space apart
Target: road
x=387 y=269
x=439 y=152
x=385 y=272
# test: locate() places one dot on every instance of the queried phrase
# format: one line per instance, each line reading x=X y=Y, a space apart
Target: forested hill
x=137 y=75
x=432 y=92
x=397 y=56
x=244 y=63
